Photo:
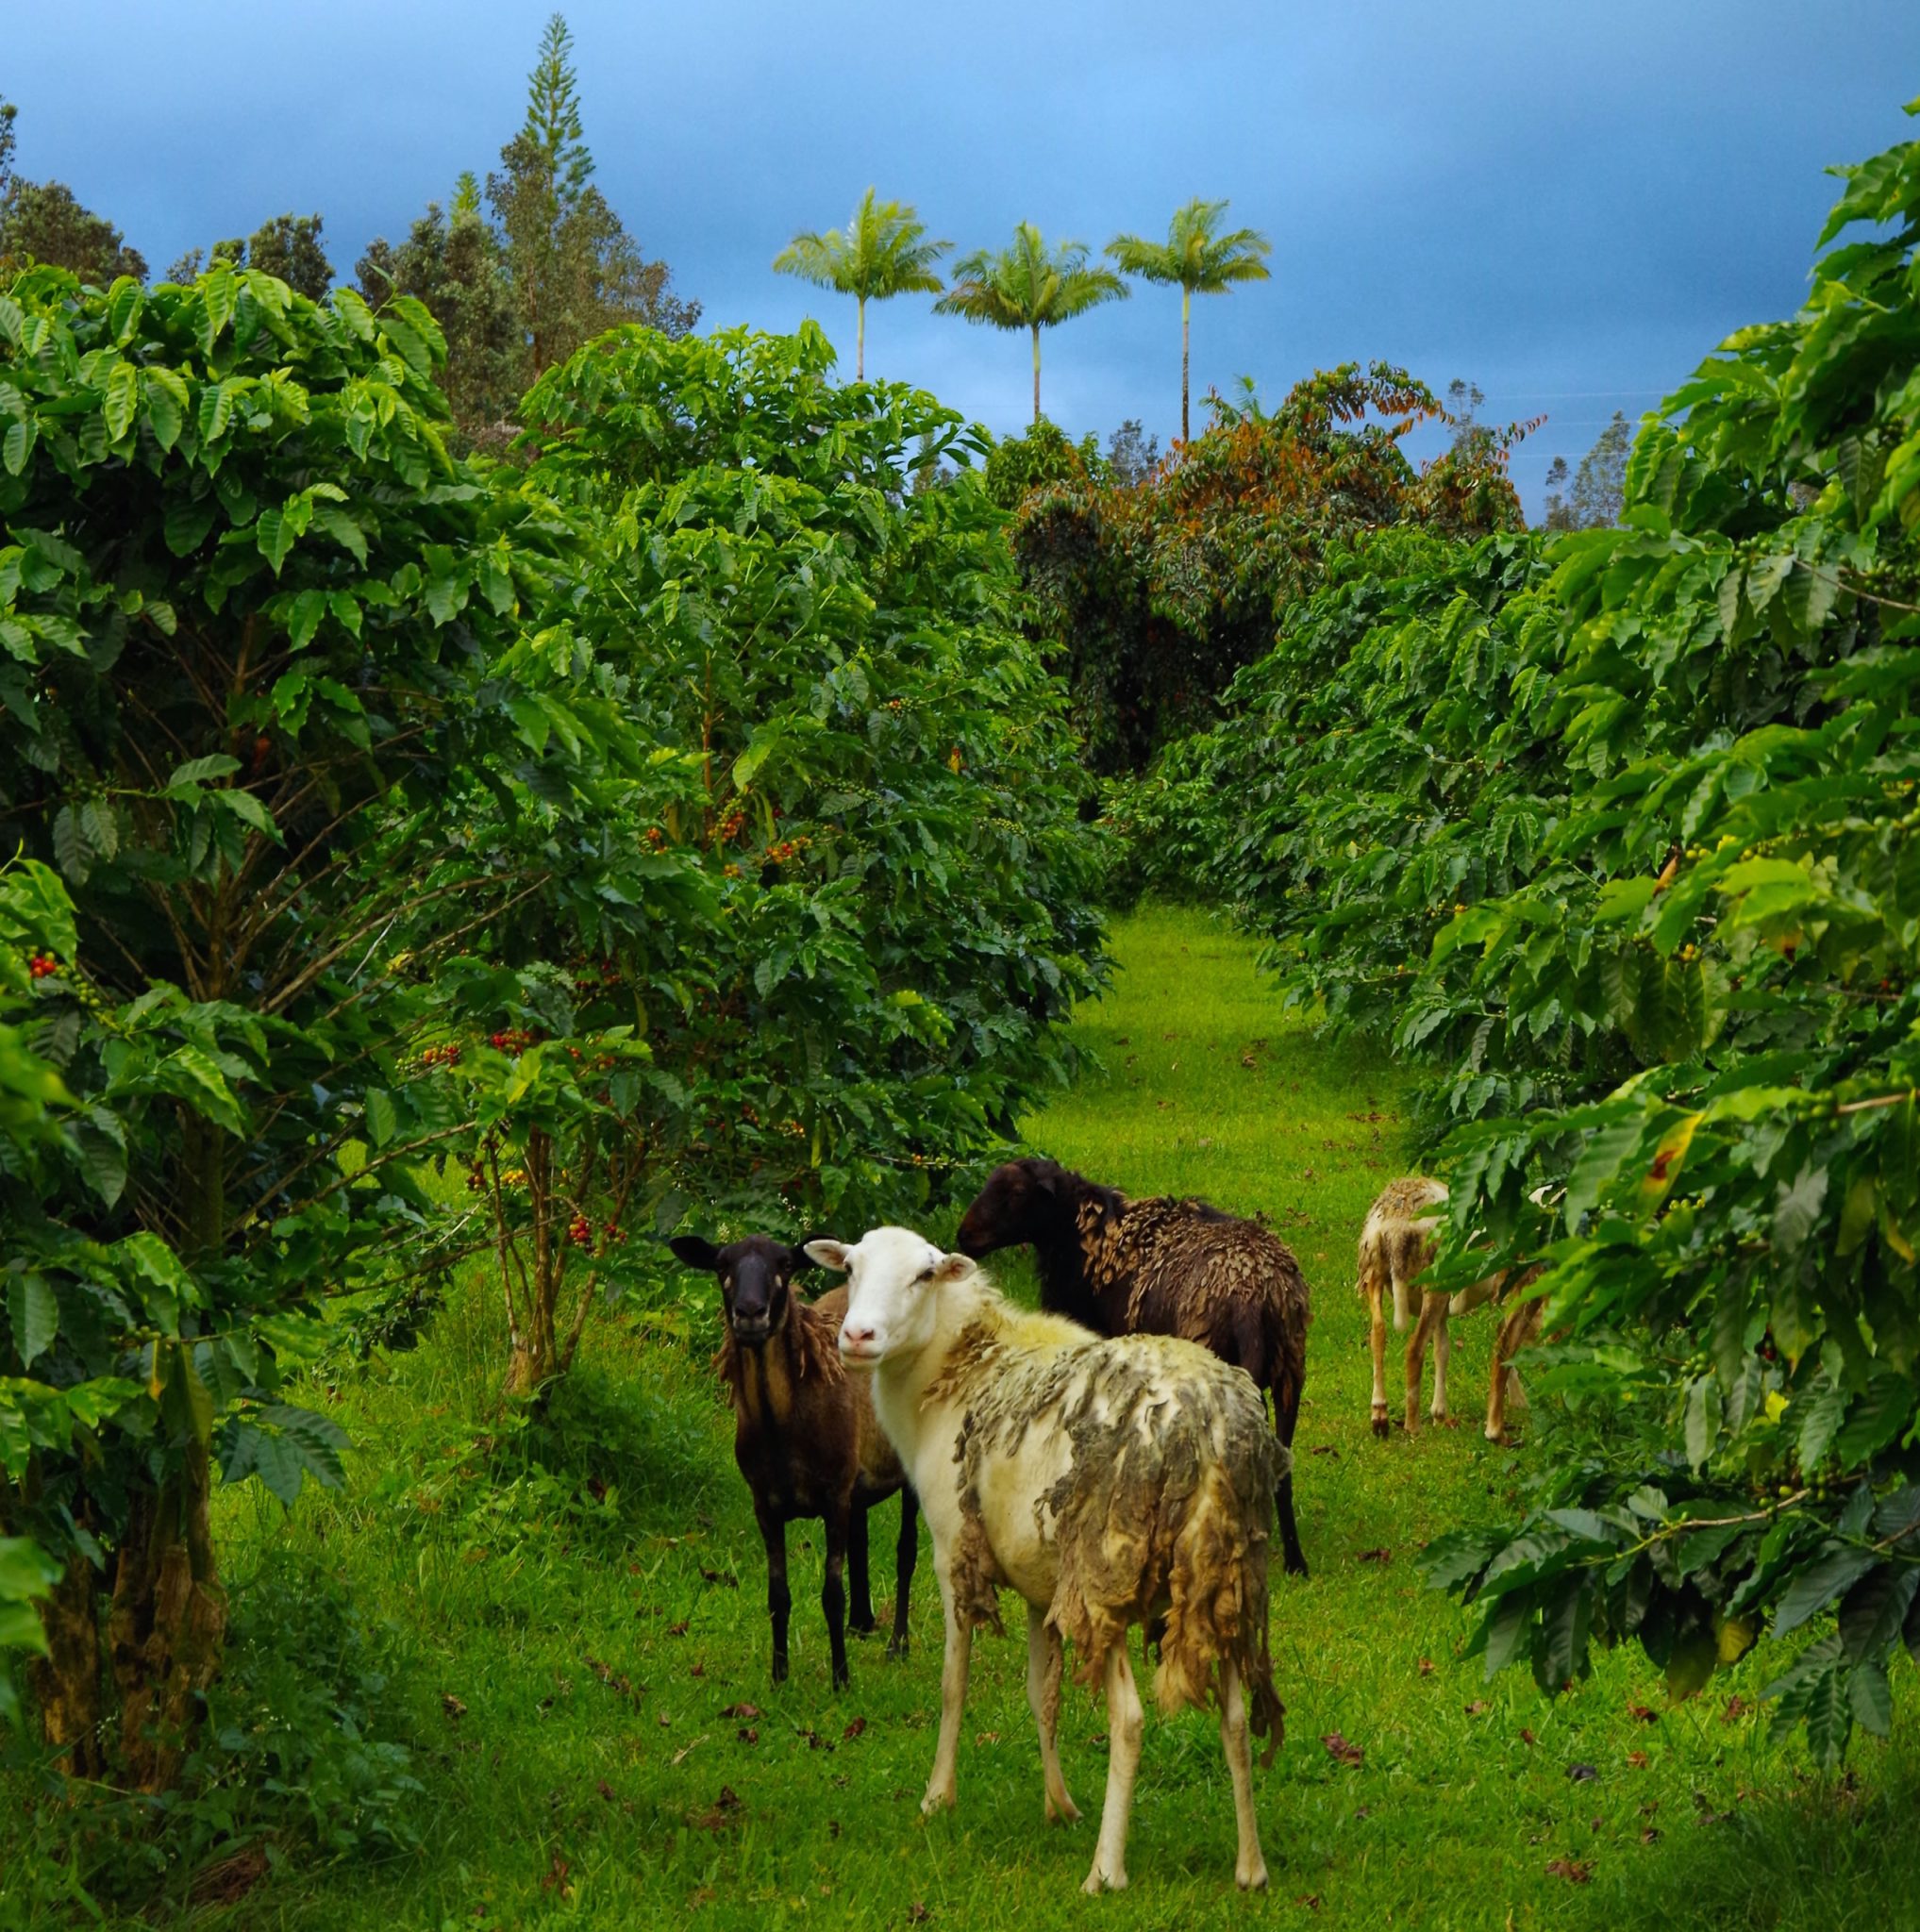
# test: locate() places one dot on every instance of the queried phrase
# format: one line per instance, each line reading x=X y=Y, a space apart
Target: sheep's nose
x=852 y=1336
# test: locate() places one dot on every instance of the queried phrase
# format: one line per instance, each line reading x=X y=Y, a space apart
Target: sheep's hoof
x=936 y=1799
x=1255 y=1880
x=1061 y=1810
x=779 y=1670
x=1382 y=1424
x=896 y=1649
x=1098 y=1881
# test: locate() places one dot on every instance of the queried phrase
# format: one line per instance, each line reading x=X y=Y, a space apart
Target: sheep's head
x=893 y=1282
x=755 y=1276
x=1020 y=1203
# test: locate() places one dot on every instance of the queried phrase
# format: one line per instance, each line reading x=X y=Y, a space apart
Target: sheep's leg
x=1286 y=1417
x=905 y=1555
x=1249 y=1867
x=1376 y=1333
x=833 y=1589
x=780 y=1603
x=1443 y=1355
x=1042 y=1693
x=941 y=1787
x=1432 y=1312
x=1518 y=1329
x=1126 y=1722
x=859 y=1601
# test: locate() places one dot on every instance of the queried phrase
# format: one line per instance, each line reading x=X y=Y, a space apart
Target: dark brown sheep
x=1159 y=1267
x=804 y=1436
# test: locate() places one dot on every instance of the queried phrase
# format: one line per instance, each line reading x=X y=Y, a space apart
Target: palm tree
x=1200 y=259
x=881 y=252
x=1025 y=287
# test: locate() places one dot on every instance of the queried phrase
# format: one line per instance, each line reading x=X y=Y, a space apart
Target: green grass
x=597 y=1642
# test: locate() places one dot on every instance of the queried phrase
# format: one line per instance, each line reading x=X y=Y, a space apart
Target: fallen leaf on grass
x=1475 y=1709
x=1310 y=1899
x=741 y=1710
x=1575 y=1871
x=854 y=1729
x=917 y=1913
x=1736 y=1709
x=1643 y=1714
x=1376 y=1555
x=1527 y=1737
x=720 y=1576
x=747 y=1735
x=664 y=1720
x=452 y=1705
x=1581 y=1774
x=981 y=1738
x=679 y=1629
x=1651 y=1836
x=1341 y=1750
x=1638 y=1759
x=833 y=1828
x=556 y=1879
x=1427 y=1667
x=605 y=1789
x=614 y=1680
x=1325 y=1449
x=681 y=1755
x=698 y=1671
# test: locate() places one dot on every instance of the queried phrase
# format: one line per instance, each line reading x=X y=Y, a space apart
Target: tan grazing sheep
x=1396 y=1247
x=1109 y=1481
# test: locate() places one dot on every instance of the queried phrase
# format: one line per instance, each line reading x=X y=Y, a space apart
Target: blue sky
x=1569 y=203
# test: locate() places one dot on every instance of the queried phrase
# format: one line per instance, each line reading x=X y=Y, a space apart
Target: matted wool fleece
x=1165 y=1508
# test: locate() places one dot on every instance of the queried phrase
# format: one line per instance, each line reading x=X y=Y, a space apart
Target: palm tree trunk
x=1185 y=313
x=1036 y=372
x=859 y=350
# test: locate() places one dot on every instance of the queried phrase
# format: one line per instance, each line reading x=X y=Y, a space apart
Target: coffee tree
x=858 y=753
x=257 y=633
x=1654 y=798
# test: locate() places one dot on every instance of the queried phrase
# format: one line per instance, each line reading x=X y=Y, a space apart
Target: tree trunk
x=860 y=344
x=1036 y=373
x=533 y=1357
x=168 y=1623
x=1186 y=312
x=66 y=1682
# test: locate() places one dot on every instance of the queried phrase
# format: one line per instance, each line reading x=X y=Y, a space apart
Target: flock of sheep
x=1109 y=1458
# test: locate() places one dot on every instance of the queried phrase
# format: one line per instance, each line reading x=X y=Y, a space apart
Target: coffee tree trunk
x=168 y=1623
x=1186 y=316
x=66 y=1682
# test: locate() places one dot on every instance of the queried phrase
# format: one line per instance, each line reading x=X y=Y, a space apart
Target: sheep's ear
x=954 y=1268
x=695 y=1253
x=798 y=1261
x=829 y=1254
x=1043 y=1174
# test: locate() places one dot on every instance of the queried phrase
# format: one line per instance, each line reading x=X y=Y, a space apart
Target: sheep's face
x=1018 y=1204
x=755 y=1275
x=894 y=1283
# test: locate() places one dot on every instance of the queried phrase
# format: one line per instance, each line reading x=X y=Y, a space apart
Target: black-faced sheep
x=1396 y=1247
x=804 y=1435
x=1159 y=1267
x=1111 y=1482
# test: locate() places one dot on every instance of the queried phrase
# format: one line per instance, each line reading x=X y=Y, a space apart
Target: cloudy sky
x=1567 y=203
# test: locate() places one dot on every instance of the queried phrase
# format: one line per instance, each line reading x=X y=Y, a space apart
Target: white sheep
x=1395 y=1248
x=1109 y=1482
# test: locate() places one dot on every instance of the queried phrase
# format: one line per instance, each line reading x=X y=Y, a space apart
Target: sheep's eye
x=925 y=1273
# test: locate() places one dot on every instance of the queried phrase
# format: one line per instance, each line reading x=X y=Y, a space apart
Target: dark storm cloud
x=1569 y=203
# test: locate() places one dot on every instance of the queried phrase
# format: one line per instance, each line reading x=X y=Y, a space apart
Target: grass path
x=569 y=1655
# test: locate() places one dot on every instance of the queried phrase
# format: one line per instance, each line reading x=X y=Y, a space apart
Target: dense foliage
x=864 y=755
x=1159 y=593
x=1658 y=789
x=254 y=619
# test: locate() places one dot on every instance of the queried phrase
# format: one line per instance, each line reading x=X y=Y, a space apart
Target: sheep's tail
x=1376 y=1276
x=1218 y=1590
